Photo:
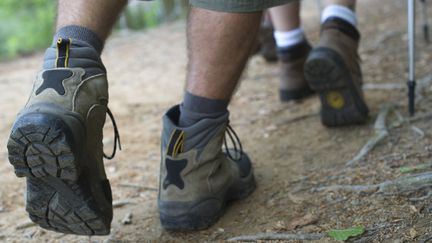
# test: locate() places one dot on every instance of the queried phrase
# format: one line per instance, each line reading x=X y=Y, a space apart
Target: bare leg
x=286 y=17
x=218 y=48
x=291 y=42
x=96 y=15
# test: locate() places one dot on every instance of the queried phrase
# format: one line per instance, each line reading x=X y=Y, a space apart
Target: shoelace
x=116 y=137
x=235 y=141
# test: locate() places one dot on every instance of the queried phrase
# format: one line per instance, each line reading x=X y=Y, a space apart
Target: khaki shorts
x=238 y=6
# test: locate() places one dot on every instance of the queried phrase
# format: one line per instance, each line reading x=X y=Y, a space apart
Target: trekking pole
x=425 y=21
x=411 y=56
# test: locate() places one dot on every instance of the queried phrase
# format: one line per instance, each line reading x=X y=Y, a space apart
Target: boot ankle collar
x=341 y=25
x=294 y=52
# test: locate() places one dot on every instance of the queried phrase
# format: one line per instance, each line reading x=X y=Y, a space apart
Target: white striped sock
x=289 y=38
x=340 y=12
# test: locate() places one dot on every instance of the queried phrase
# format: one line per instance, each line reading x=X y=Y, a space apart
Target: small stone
x=413 y=233
x=127 y=219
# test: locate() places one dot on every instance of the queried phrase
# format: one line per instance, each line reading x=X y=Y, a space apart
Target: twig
x=380 y=131
x=418 y=131
x=278 y=236
x=121 y=203
x=138 y=187
x=391 y=187
x=423 y=116
x=350 y=188
x=383 y=86
x=25 y=225
x=127 y=219
x=417 y=199
x=415 y=168
x=296 y=119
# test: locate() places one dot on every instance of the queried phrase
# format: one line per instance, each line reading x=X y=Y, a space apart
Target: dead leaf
x=280 y=226
x=413 y=233
x=295 y=199
x=303 y=221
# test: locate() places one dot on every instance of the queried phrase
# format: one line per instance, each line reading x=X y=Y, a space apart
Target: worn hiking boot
x=197 y=178
x=333 y=69
x=56 y=142
x=293 y=85
x=267 y=42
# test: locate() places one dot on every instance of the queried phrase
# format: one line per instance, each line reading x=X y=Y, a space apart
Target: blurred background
x=27 y=26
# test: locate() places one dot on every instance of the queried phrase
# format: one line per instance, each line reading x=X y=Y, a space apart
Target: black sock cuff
x=80 y=33
x=204 y=105
x=195 y=108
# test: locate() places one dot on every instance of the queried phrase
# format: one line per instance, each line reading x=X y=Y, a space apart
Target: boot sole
x=42 y=147
x=201 y=214
x=341 y=103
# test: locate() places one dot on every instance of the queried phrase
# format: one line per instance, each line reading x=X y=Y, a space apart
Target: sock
x=84 y=51
x=195 y=108
x=286 y=39
x=341 y=12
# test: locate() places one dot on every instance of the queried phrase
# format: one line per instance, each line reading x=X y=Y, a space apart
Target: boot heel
x=341 y=102
x=42 y=145
x=46 y=149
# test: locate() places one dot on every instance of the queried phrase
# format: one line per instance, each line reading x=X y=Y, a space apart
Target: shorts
x=238 y=6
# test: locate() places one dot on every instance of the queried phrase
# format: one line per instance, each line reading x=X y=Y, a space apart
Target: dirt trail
x=291 y=158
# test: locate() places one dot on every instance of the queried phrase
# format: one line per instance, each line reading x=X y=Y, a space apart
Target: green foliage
x=345 y=234
x=411 y=169
x=25 y=26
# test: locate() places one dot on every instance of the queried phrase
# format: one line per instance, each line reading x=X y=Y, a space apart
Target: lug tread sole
x=326 y=72
x=40 y=149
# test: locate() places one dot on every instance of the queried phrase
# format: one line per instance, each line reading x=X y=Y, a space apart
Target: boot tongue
x=343 y=26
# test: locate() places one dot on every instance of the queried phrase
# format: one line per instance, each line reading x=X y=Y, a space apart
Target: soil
x=293 y=153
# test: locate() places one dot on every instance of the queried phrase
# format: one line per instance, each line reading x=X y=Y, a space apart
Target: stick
x=423 y=116
x=391 y=187
x=383 y=86
x=278 y=236
x=127 y=219
x=418 y=131
x=295 y=119
x=417 y=199
x=381 y=132
x=25 y=225
x=138 y=187
x=121 y=203
x=351 y=188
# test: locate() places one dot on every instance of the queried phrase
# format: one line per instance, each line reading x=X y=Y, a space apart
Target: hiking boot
x=197 y=179
x=293 y=85
x=56 y=142
x=333 y=70
x=267 y=42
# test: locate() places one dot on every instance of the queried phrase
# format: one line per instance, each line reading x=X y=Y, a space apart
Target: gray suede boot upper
x=196 y=177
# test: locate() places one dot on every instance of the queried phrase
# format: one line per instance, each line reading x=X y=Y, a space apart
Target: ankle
x=195 y=108
x=83 y=50
x=295 y=52
x=80 y=34
x=341 y=12
x=286 y=39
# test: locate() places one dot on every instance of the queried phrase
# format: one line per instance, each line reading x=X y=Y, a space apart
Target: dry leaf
x=303 y=221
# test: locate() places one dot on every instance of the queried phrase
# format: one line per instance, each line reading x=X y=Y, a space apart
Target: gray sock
x=195 y=108
x=84 y=51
